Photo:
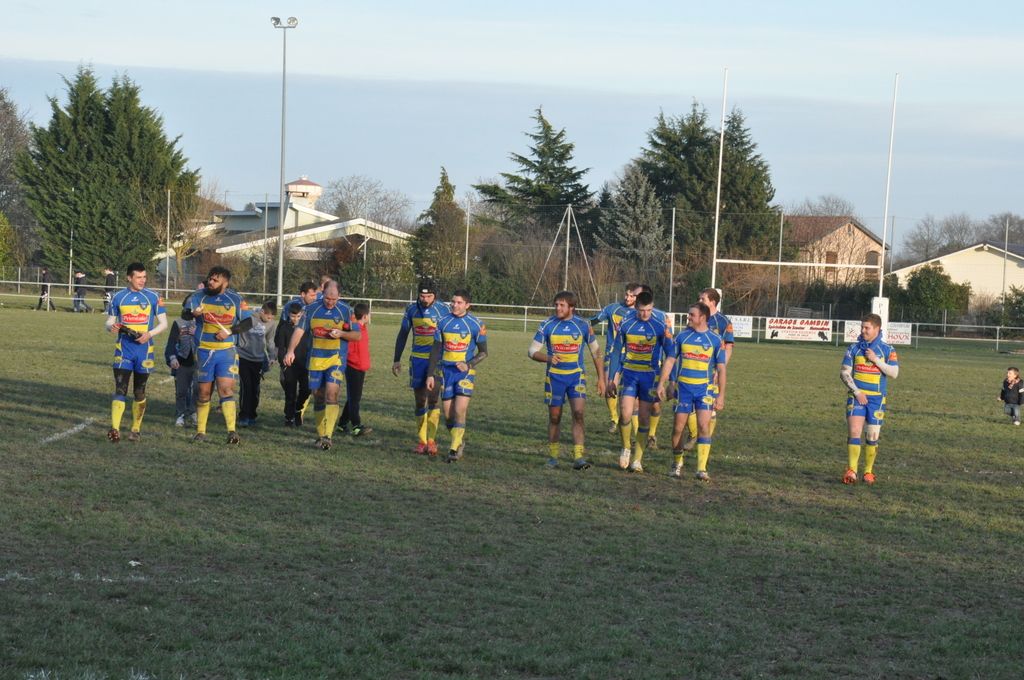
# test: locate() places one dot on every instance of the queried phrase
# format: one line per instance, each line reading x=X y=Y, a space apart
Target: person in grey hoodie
x=253 y=362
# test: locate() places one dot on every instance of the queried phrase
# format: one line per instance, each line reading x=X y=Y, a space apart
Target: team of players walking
x=645 y=364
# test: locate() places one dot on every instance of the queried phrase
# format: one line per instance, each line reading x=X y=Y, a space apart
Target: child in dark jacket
x=1012 y=394
x=180 y=355
x=294 y=378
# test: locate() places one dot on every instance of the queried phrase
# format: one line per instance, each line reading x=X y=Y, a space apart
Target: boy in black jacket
x=180 y=355
x=294 y=378
x=1012 y=394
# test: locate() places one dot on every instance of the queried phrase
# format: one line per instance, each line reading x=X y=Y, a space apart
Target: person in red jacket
x=355 y=374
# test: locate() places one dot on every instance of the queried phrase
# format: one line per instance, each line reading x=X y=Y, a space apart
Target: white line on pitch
x=166 y=380
x=67 y=433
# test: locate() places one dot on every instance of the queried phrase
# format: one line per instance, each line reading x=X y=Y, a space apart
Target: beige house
x=982 y=265
x=834 y=240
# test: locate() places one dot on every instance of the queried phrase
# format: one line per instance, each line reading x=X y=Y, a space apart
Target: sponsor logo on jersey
x=424 y=329
x=566 y=348
x=456 y=345
x=214 y=318
x=135 y=318
x=697 y=356
x=639 y=347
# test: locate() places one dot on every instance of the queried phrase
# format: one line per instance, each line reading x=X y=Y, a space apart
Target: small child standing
x=294 y=378
x=1012 y=394
x=253 y=363
x=180 y=355
x=355 y=374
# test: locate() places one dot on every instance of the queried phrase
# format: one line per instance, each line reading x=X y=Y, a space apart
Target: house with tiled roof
x=834 y=240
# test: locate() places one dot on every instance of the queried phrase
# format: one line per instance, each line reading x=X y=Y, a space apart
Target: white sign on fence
x=742 y=326
x=894 y=333
x=809 y=330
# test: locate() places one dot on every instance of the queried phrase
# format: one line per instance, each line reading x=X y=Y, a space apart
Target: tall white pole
x=71 y=248
x=282 y=208
x=167 y=252
x=568 y=216
x=672 y=261
x=465 y=262
x=888 y=181
x=778 y=274
x=718 y=191
x=266 y=199
x=1006 y=248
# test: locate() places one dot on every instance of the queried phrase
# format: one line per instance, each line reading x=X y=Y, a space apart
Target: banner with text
x=807 y=330
x=894 y=333
x=742 y=326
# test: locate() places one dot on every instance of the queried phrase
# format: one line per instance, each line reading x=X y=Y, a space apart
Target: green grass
x=274 y=560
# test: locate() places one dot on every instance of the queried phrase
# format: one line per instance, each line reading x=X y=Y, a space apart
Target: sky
x=396 y=90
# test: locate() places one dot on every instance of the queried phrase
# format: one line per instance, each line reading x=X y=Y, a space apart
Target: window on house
x=871 y=258
x=831 y=257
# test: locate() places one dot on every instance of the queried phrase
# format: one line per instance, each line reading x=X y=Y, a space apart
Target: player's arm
x=481 y=353
x=435 y=357
x=846 y=376
x=598 y=357
x=289 y=356
x=111 y=324
x=889 y=370
x=400 y=340
x=160 y=327
x=170 y=355
x=536 y=351
x=599 y=317
x=720 y=382
x=728 y=352
x=353 y=334
x=666 y=374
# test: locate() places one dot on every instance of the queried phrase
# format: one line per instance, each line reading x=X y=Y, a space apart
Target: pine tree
x=100 y=170
x=633 y=225
x=438 y=243
x=8 y=243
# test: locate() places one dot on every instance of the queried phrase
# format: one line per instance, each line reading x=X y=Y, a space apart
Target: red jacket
x=359 y=352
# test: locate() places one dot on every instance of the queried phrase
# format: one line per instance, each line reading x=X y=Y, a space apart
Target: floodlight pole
x=167 y=252
x=1006 y=248
x=718 y=191
x=672 y=261
x=292 y=23
x=778 y=274
x=888 y=181
x=465 y=262
x=266 y=199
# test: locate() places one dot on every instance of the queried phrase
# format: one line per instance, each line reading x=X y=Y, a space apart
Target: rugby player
x=219 y=312
x=332 y=327
x=652 y=434
x=421 y=319
x=720 y=325
x=701 y=358
x=613 y=314
x=135 y=315
x=636 y=358
x=308 y=294
x=866 y=368
x=460 y=344
x=559 y=342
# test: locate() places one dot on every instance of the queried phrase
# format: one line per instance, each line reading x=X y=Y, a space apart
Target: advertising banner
x=894 y=333
x=807 y=330
x=742 y=326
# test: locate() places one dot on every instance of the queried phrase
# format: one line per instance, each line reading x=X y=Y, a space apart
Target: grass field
x=274 y=560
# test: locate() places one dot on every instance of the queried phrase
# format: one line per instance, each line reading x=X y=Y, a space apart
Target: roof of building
x=804 y=229
x=1014 y=249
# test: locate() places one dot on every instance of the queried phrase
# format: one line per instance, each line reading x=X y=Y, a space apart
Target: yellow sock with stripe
x=433 y=421
x=626 y=432
x=870 y=451
x=229 y=407
x=458 y=431
x=703 y=453
x=138 y=411
x=318 y=416
x=577 y=451
x=691 y=424
x=331 y=414
x=853 y=452
x=116 y=411
x=554 y=449
x=654 y=425
x=638 y=446
x=202 y=416
x=677 y=457
x=421 y=425
x=613 y=408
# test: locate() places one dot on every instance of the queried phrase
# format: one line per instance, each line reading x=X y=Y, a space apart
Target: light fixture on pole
x=281 y=209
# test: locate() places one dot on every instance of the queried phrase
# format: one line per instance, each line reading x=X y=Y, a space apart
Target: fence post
x=998 y=328
x=526 y=310
x=19 y=280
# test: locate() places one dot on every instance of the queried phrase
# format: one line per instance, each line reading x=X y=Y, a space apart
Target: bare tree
x=826 y=205
x=924 y=241
x=994 y=228
x=358 y=196
x=958 y=231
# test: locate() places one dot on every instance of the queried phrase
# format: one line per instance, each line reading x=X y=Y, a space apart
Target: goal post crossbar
x=775 y=263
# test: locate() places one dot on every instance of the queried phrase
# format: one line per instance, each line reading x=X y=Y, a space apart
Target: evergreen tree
x=633 y=225
x=546 y=180
x=8 y=243
x=100 y=170
x=439 y=242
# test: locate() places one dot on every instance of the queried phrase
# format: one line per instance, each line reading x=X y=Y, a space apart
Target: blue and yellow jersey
x=422 y=323
x=866 y=375
x=459 y=336
x=697 y=356
x=566 y=339
x=137 y=310
x=720 y=325
x=220 y=312
x=318 y=321
x=613 y=314
x=639 y=346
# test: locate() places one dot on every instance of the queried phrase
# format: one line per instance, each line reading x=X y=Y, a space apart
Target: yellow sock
x=654 y=425
x=678 y=457
x=138 y=411
x=703 y=453
x=202 y=415
x=318 y=415
x=626 y=431
x=870 y=451
x=116 y=413
x=613 y=408
x=691 y=424
x=433 y=420
x=638 y=446
x=553 y=449
x=305 y=406
x=421 y=426
x=853 y=453
x=577 y=451
x=635 y=421
x=711 y=426
x=228 y=408
x=331 y=414
x=457 y=434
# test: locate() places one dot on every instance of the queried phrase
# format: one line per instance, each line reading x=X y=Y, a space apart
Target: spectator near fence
x=1012 y=394
x=109 y=284
x=81 y=287
x=45 y=279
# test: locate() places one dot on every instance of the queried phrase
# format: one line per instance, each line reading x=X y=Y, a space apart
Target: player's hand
x=115 y=329
x=462 y=366
x=175 y=364
x=860 y=397
x=144 y=338
x=221 y=335
x=661 y=391
x=396 y=368
x=289 y=358
x=430 y=383
x=553 y=359
x=197 y=311
x=720 y=403
x=611 y=390
x=335 y=333
x=870 y=355
x=601 y=387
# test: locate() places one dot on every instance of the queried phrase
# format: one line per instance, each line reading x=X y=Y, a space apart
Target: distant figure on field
x=1012 y=394
x=45 y=279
